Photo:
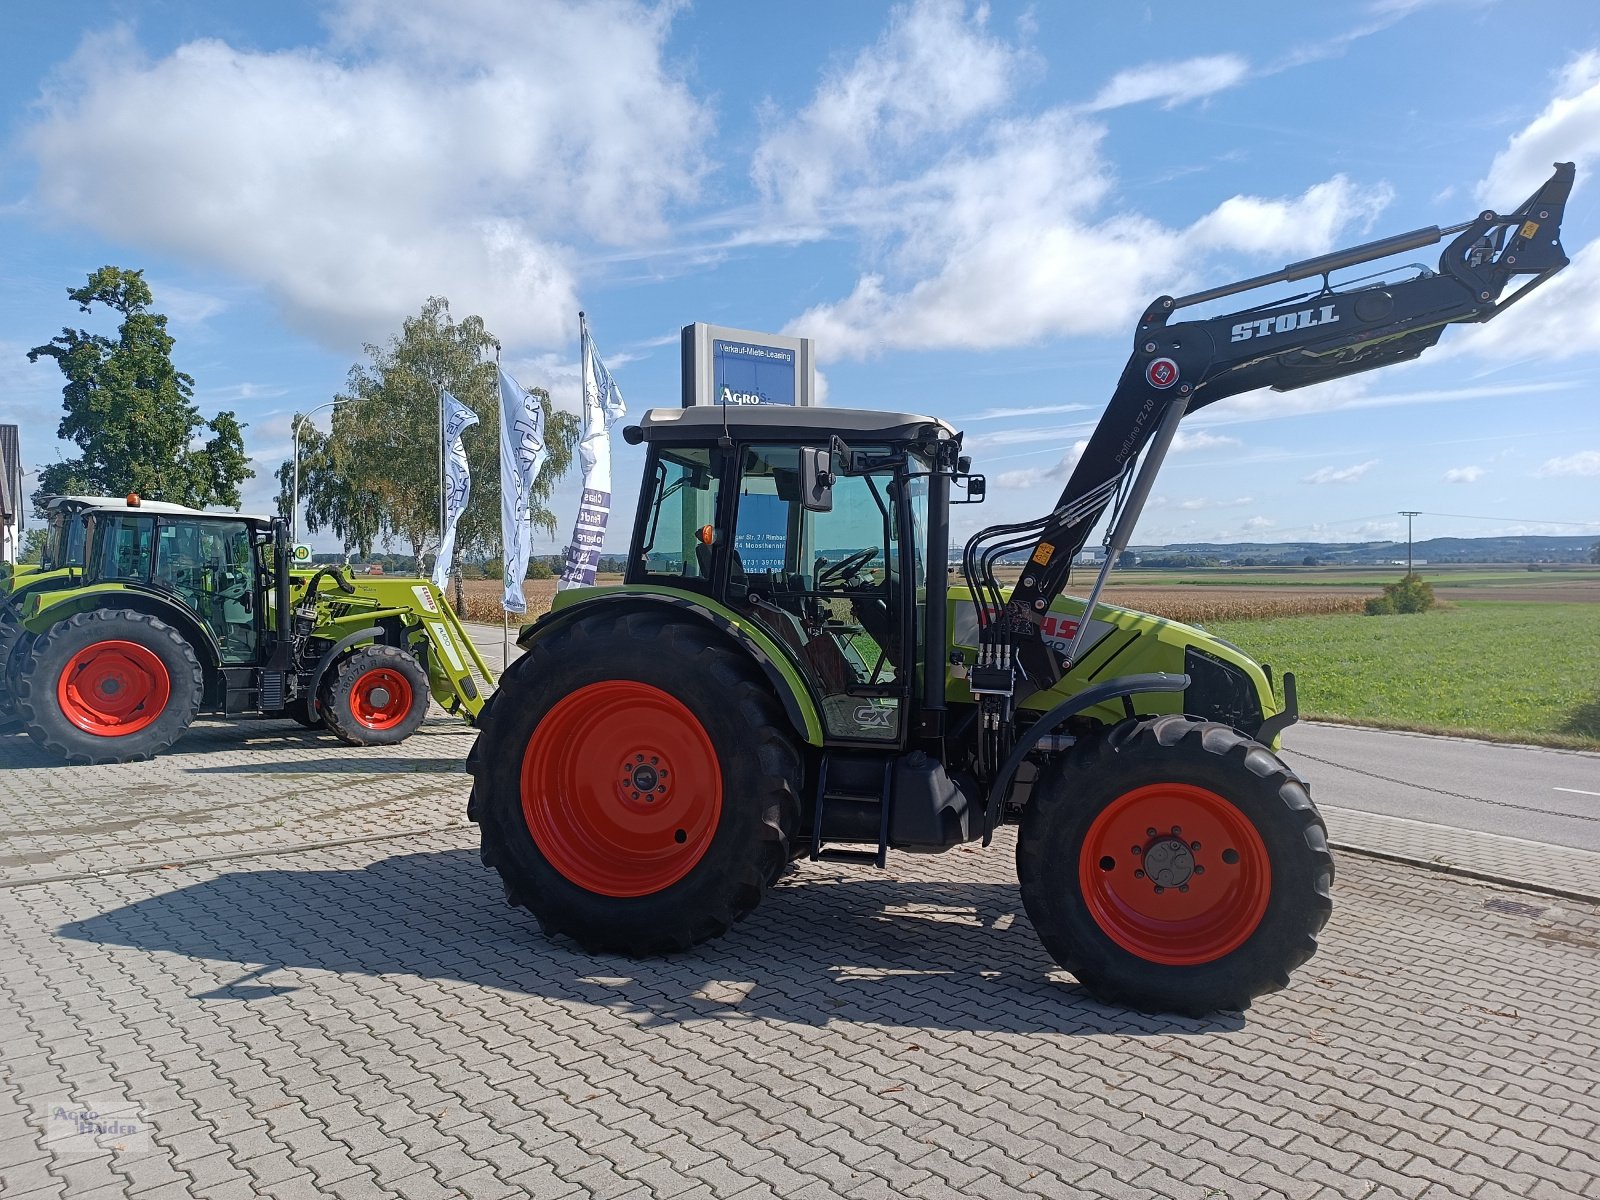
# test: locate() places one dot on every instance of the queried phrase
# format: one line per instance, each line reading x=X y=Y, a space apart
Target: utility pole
x=1408 y=515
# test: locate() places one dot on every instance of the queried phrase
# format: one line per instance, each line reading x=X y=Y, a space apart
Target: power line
x=1514 y=520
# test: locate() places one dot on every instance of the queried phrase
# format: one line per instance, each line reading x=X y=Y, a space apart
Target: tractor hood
x=1224 y=683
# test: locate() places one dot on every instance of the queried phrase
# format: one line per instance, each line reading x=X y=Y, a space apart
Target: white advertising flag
x=602 y=408
x=522 y=453
x=457 y=481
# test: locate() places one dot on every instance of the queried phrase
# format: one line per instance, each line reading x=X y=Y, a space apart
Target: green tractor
x=790 y=671
x=60 y=567
x=180 y=613
x=63 y=546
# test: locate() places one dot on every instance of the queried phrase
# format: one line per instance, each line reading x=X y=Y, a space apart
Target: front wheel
x=1174 y=865
x=376 y=696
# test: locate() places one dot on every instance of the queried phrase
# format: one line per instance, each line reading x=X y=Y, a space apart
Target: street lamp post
x=294 y=434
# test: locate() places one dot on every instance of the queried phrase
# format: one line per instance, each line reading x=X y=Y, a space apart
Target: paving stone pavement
x=369 y=1019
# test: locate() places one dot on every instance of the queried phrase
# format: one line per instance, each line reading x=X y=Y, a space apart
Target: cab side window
x=677 y=543
x=126 y=547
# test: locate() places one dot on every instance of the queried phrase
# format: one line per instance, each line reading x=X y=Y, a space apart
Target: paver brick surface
x=369 y=1019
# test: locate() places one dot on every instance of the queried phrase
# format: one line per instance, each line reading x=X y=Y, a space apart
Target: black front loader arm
x=1177 y=368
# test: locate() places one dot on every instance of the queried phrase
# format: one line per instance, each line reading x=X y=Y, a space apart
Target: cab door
x=828 y=586
x=210 y=567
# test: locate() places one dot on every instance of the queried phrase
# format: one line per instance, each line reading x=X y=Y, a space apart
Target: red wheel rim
x=112 y=689
x=621 y=788
x=1175 y=874
x=381 y=698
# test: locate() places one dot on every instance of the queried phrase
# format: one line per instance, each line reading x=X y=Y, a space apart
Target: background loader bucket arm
x=1177 y=368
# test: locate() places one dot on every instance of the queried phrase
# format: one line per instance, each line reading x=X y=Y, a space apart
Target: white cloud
x=1040 y=410
x=934 y=69
x=1197 y=503
x=1583 y=463
x=1562 y=318
x=424 y=151
x=1201 y=439
x=1027 y=477
x=1352 y=393
x=1350 y=474
x=1469 y=474
x=1260 y=226
x=1257 y=524
x=1567 y=130
x=993 y=248
x=1173 y=83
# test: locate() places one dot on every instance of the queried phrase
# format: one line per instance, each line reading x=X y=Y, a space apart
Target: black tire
x=758 y=766
x=11 y=633
x=60 y=647
x=343 y=691
x=302 y=711
x=1053 y=847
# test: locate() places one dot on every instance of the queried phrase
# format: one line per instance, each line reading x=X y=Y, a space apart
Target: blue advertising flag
x=522 y=454
x=602 y=408
x=457 y=481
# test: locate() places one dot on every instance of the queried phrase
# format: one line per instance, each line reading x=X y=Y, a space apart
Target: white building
x=11 y=498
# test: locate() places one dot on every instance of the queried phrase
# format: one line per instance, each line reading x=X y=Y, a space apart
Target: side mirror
x=977 y=486
x=816 y=479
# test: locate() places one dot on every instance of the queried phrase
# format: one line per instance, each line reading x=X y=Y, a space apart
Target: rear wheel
x=375 y=697
x=1174 y=865
x=108 y=686
x=303 y=711
x=635 y=784
x=11 y=632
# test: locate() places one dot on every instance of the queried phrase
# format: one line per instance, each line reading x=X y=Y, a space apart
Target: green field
x=1360 y=577
x=1508 y=671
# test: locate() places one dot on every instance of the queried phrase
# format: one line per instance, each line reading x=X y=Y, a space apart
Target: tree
x=1411 y=595
x=1594 y=553
x=375 y=476
x=33 y=541
x=129 y=409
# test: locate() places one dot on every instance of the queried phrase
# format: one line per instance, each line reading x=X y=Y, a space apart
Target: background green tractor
x=64 y=520
x=182 y=613
x=60 y=567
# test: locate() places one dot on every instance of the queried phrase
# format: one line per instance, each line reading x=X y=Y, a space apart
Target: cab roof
x=157 y=507
x=782 y=422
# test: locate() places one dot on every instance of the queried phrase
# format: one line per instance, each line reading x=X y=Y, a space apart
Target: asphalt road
x=1550 y=796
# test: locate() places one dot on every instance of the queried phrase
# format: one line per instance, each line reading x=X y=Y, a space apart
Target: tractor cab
x=812 y=524
x=216 y=565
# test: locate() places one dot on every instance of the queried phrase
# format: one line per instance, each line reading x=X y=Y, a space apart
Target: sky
x=966 y=206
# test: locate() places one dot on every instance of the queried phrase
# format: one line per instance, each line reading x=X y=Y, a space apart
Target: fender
x=334 y=652
x=803 y=716
x=136 y=597
x=1122 y=685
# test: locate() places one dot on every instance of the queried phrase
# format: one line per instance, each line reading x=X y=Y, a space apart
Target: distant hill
x=1524 y=549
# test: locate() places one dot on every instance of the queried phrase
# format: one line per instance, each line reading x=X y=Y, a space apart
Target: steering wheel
x=229 y=585
x=841 y=571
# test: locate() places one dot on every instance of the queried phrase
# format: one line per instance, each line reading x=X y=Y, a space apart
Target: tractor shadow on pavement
x=268 y=739
x=824 y=946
